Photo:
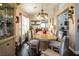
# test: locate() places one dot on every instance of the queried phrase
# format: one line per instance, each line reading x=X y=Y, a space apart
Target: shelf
x=6 y=21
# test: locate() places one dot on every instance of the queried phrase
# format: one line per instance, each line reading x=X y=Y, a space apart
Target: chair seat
x=49 y=52
x=34 y=42
x=55 y=44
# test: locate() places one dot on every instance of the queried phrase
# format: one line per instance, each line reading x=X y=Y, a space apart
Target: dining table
x=44 y=39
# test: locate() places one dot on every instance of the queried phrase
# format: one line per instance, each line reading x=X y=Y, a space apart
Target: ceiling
x=35 y=8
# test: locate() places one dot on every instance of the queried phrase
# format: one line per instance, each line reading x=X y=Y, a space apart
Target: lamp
x=42 y=14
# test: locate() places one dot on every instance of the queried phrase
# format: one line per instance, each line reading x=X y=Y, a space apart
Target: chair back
x=60 y=36
x=64 y=46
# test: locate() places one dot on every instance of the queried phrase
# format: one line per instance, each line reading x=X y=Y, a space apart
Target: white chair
x=57 y=43
x=33 y=44
x=62 y=50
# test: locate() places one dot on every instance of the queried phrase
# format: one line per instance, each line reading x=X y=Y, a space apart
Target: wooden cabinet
x=7 y=48
x=7 y=29
x=6 y=21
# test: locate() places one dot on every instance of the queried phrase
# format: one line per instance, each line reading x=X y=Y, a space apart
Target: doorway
x=63 y=23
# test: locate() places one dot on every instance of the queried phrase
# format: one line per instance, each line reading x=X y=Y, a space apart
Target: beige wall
x=76 y=29
x=72 y=27
x=18 y=26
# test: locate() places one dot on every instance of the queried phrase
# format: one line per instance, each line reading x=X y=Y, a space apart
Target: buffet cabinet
x=7 y=39
x=7 y=47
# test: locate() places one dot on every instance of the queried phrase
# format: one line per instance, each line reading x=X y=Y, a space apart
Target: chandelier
x=42 y=15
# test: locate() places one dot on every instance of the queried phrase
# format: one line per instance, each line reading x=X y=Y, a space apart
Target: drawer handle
x=8 y=44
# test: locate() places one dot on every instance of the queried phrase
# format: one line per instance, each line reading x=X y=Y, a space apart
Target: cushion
x=34 y=42
x=49 y=52
x=55 y=44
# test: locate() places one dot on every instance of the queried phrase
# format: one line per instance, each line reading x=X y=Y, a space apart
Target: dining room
x=39 y=29
x=48 y=29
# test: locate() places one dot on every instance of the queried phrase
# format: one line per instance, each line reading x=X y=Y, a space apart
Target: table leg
x=43 y=45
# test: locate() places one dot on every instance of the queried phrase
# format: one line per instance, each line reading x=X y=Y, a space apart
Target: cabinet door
x=7 y=48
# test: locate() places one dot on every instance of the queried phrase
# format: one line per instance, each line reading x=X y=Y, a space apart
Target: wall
x=76 y=30
x=72 y=29
x=18 y=26
x=73 y=34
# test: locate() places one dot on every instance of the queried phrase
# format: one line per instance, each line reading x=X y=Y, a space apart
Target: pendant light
x=42 y=15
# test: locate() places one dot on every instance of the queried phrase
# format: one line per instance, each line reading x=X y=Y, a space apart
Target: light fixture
x=42 y=15
x=0 y=4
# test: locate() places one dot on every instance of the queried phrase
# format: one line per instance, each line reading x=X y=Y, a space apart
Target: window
x=44 y=24
x=25 y=24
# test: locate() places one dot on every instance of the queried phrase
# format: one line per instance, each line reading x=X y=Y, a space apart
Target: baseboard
x=72 y=49
x=75 y=52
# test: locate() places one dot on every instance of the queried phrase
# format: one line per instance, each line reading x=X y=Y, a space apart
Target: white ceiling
x=35 y=8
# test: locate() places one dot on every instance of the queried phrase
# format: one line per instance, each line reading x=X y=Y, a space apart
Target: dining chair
x=57 y=42
x=62 y=50
x=64 y=46
x=33 y=44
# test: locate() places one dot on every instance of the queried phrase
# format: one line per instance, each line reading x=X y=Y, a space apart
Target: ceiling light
x=42 y=14
x=0 y=4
